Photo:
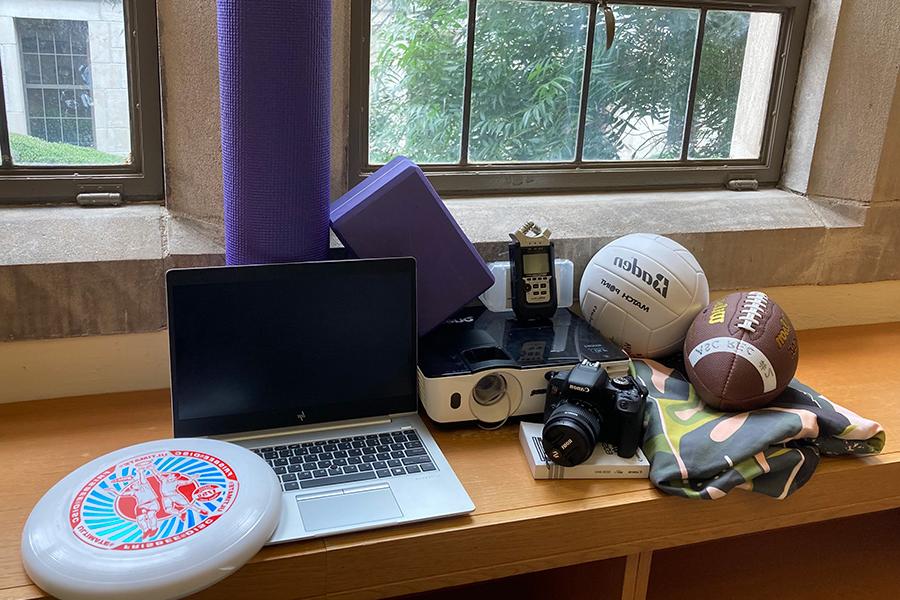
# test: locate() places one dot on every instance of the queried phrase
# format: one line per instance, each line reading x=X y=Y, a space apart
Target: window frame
x=506 y=178
x=142 y=179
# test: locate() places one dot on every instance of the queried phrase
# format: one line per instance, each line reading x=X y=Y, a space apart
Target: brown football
x=741 y=352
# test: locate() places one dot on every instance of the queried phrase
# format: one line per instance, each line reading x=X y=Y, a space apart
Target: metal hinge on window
x=743 y=185
x=99 y=199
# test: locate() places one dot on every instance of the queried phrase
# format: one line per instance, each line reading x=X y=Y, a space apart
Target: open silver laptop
x=313 y=367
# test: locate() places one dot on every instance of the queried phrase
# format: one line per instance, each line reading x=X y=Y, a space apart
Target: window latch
x=99 y=199
x=742 y=185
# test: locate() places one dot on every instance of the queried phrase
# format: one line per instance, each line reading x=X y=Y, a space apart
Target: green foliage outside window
x=527 y=80
x=28 y=150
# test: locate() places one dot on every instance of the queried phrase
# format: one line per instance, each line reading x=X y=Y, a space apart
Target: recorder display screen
x=536 y=264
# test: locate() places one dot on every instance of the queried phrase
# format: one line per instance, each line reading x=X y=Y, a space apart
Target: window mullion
x=692 y=90
x=585 y=83
x=467 y=93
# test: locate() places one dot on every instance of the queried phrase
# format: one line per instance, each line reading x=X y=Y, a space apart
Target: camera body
x=586 y=406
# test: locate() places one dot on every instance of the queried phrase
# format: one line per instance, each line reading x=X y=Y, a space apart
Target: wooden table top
x=519 y=524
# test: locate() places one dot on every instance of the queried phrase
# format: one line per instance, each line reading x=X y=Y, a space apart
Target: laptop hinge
x=319 y=427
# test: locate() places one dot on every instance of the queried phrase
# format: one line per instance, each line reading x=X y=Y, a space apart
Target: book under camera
x=604 y=463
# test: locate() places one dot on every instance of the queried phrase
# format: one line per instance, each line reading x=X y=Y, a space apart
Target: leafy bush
x=27 y=150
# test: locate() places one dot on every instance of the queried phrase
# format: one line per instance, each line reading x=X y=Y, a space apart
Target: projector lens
x=489 y=390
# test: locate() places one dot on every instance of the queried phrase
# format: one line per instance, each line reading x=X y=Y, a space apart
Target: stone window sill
x=71 y=271
x=609 y=215
x=72 y=234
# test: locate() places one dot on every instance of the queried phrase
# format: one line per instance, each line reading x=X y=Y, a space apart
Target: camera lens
x=489 y=389
x=570 y=434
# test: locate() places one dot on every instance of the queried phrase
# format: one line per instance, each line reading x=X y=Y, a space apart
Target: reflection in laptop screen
x=269 y=346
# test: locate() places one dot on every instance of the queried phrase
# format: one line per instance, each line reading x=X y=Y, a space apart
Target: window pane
x=48 y=69
x=82 y=70
x=70 y=131
x=51 y=103
x=64 y=70
x=79 y=32
x=31 y=65
x=35 y=106
x=526 y=85
x=65 y=67
x=85 y=133
x=67 y=103
x=36 y=128
x=29 y=43
x=416 y=81
x=84 y=103
x=63 y=42
x=45 y=41
x=736 y=66
x=639 y=87
x=54 y=130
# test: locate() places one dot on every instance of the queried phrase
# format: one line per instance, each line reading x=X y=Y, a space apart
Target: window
x=57 y=72
x=505 y=95
x=81 y=100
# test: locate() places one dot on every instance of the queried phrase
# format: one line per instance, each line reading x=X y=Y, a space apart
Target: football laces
x=752 y=311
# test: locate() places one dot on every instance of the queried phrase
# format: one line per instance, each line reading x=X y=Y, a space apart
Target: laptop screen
x=259 y=347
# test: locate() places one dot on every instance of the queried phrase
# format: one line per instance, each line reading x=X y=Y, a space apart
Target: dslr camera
x=585 y=406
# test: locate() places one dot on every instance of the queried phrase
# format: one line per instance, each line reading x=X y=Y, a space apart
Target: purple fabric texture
x=275 y=83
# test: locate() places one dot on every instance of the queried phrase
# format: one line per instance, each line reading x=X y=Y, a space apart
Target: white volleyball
x=642 y=291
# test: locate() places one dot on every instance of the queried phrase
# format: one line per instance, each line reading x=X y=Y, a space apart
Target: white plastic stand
x=498 y=297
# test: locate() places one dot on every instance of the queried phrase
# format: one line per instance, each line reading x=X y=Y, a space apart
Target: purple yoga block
x=396 y=212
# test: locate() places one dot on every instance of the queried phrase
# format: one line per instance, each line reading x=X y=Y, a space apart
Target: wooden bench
x=563 y=539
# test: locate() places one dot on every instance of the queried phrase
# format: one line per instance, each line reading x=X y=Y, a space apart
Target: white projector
x=487 y=366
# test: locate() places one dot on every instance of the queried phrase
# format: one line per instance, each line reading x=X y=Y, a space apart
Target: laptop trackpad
x=342 y=508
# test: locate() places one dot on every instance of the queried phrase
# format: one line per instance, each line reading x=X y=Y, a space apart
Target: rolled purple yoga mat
x=275 y=82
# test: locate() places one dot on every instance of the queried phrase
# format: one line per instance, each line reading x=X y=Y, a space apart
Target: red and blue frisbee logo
x=153 y=500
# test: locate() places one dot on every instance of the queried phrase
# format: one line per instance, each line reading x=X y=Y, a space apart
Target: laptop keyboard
x=347 y=459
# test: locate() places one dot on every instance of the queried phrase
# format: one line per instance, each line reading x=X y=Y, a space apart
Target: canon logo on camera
x=659 y=282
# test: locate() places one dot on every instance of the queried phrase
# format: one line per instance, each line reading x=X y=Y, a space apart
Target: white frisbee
x=162 y=519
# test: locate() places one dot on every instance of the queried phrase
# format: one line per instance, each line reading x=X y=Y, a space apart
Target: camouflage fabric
x=698 y=452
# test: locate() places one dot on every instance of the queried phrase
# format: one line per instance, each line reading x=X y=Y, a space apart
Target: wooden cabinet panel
x=599 y=580
x=855 y=557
